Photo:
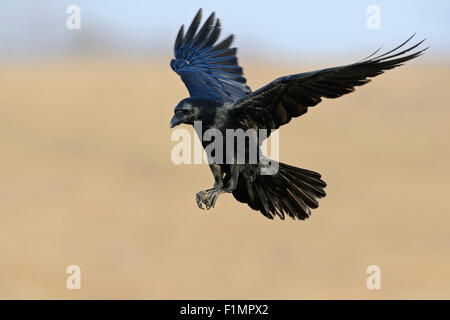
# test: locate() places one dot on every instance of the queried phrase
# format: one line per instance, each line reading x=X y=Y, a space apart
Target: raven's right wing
x=208 y=70
x=288 y=97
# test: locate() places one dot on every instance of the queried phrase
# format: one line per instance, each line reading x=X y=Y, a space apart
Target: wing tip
x=198 y=15
x=394 y=53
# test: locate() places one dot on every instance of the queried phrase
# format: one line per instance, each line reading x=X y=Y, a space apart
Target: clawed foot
x=208 y=198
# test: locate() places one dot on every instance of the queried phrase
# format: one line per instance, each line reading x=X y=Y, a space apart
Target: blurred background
x=86 y=177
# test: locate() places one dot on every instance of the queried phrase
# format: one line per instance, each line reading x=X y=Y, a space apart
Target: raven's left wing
x=288 y=97
x=208 y=70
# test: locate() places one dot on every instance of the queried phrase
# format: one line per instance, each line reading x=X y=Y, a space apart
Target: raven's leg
x=201 y=197
x=213 y=194
x=217 y=172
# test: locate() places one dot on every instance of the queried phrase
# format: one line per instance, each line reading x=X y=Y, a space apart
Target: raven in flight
x=220 y=99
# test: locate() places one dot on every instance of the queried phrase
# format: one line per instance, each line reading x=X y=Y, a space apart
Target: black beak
x=177 y=118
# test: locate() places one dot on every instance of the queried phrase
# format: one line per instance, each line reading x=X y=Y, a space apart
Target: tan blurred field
x=86 y=179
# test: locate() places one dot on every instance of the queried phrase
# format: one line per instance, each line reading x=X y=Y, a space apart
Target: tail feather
x=305 y=195
x=266 y=203
x=274 y=204
x=291 y=192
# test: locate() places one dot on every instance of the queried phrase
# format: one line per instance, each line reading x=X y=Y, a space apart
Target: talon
x=208 y=198
x=213 y=201
x=199 y=200
x=211 y=198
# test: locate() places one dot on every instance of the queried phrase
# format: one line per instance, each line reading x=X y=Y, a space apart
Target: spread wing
x=288 y=97
x=208 y=70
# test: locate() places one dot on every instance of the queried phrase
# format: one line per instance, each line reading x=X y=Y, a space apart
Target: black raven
x=220 y=99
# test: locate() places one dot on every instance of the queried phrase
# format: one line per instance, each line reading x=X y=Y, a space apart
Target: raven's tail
x=291 y=191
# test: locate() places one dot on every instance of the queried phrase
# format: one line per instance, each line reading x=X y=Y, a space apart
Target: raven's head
x=187 y=111
x=194 y=109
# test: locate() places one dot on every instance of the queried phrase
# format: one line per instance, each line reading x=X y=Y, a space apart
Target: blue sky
x=286 y=29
